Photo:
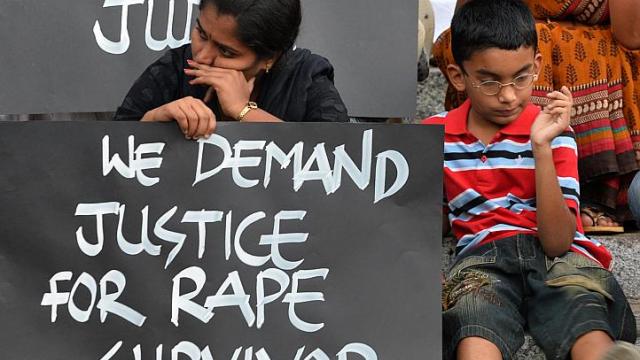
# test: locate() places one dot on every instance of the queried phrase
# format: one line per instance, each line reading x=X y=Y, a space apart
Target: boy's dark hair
x=484 y=24
x=267 y=27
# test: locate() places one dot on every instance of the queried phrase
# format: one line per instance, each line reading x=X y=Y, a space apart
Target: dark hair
x=267 y=27
x=484 y=24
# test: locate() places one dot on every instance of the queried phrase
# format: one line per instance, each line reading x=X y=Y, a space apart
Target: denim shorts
x=502 y=289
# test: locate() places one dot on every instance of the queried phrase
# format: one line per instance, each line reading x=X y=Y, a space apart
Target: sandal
x=596 y=216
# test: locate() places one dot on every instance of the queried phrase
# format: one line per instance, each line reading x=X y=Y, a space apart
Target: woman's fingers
x=181 y=117
x=209 y=94
x=251 y=83
x=194 y=119
x=193 y=116
x=197 y=65
x=233 y=90
x=211 y=123
x=211 y=80
x=203 y=119
x=212 y=72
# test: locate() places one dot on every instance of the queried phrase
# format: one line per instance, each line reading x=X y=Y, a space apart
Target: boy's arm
x=556 y=222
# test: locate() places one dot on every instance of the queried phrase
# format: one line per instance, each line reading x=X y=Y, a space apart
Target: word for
x=364 y=352
x=201 y=218
x=122 y=45
x=331 y=177
x=107 y=304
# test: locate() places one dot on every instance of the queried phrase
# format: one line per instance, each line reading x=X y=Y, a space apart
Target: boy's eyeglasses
x=493 y=87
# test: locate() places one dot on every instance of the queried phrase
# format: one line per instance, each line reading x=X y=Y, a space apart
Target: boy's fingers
x=566 y=92
x=557 y=95
x=563 y=92
x=559 y=104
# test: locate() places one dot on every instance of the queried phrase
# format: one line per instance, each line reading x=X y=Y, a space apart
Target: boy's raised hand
x=553 y=119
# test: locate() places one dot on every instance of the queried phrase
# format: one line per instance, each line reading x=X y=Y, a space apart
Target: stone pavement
x=625 y=247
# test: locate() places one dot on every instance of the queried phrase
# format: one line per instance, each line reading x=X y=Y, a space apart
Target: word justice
x=232 y=240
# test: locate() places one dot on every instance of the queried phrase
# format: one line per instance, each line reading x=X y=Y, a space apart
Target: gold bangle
x=250 y=106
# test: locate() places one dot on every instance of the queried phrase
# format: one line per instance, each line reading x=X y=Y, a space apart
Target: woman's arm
x=625 y=22
x=156 y=86
x=324 y=103
x=154 y=96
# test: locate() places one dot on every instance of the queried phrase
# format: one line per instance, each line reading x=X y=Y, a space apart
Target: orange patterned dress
x=605 y=81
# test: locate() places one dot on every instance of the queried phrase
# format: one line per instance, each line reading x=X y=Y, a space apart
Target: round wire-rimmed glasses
x=492 y=87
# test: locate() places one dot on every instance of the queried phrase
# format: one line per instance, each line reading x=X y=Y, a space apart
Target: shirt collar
x=456 y=122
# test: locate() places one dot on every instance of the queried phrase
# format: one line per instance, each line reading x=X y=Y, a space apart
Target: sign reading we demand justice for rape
x=293 y=241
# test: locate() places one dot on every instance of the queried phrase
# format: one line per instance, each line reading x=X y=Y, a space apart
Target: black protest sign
x=288 y=241
x=83 y=56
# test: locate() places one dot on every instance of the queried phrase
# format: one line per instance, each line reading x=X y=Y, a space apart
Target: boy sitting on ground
x=511 y=183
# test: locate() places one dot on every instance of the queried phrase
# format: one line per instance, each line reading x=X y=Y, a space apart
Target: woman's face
x=214 y=43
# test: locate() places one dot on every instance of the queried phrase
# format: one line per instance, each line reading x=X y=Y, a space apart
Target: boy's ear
x=456 y=77
x=537 y=65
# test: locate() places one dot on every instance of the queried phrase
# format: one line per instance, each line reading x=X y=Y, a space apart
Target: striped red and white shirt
x=490 y=189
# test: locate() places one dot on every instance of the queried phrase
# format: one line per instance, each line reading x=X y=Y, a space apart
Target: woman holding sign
x=241 y=65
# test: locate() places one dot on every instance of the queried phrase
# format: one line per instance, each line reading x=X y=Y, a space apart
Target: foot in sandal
x=596 y=221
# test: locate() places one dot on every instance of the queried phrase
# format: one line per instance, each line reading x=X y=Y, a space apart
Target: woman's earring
x=267 y=68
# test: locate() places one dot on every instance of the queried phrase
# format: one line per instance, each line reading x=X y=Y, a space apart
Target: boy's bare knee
x=477 y=348
x=592 y=345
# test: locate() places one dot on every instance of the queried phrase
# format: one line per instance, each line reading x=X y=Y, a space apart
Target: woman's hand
x=553 y=119
x=231 y=87
x=193 y=116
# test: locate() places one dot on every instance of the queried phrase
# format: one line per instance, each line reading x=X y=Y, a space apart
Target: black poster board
x=319 y=270
x=84 y=55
